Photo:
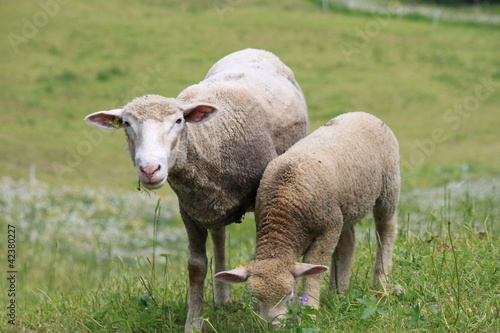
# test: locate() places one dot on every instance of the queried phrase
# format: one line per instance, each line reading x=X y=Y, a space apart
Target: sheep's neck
x=279 y=236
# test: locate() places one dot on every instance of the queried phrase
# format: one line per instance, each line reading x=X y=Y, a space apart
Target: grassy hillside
x=98 y=261
x=435 y=86
x=94 y=256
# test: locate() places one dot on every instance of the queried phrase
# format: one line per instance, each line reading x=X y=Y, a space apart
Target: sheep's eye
x=126 y=124
x=178 y=121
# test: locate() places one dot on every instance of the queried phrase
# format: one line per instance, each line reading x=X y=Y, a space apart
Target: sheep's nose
x=149 y=171
x=278 y=324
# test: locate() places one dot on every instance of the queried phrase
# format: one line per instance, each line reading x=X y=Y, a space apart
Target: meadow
x=93 y=254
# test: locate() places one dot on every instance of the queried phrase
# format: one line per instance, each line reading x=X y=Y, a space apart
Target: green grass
x=85 y=239
x=86 y=264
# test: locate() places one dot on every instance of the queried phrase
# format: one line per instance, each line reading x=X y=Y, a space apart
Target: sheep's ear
x=199 y=113
x=236 y=275
x=302 y=269
x=108 y=120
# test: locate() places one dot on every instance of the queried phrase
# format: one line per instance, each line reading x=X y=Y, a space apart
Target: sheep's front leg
x=197 y=267
x=221 y=289
x=342 y=261
x=318 y=253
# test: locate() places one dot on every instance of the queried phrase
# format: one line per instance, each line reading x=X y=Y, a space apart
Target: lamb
x=212 y=144
x=308 y=202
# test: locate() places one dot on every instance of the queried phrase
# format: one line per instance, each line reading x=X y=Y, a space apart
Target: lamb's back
x=342 y=164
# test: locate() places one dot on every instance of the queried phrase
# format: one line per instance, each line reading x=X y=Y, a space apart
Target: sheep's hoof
x=197 y=326
x=395 y=290
x=398 y=290
x=222 y=301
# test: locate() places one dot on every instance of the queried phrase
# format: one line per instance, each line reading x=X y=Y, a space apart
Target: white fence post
x=32 y=174
x=325 y=5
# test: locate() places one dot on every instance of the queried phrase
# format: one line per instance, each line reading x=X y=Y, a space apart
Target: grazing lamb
x=212 y=144
x=308 y=202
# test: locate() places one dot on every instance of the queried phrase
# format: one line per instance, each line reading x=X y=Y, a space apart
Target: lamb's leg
x=386 y=230
x=318 y=253
x=221 y=289
x=197 y=267
x=341 y=261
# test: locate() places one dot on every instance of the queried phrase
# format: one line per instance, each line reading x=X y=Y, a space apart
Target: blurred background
x=429 y=69
x=434 y=83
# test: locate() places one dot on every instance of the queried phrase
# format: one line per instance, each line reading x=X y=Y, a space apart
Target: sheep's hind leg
x=342 y=261
x=386 y=230
x=221 y=289
x=197 y=268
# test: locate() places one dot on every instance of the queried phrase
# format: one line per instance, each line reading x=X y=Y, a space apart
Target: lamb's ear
x=302 y=269
x=199 y=113
x=236 y=275
x=108 y=120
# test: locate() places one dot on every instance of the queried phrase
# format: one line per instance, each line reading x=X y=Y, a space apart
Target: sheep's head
x=273 y=283
x=153 y=125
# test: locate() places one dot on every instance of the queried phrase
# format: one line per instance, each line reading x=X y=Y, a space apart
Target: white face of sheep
x=153 y=126
x=273 y=285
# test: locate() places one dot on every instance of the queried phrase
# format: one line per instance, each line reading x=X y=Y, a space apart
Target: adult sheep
x=308 y=202
x=213 y=163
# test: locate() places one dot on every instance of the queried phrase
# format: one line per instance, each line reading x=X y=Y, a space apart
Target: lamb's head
x=273 y=283
x=153 y=125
